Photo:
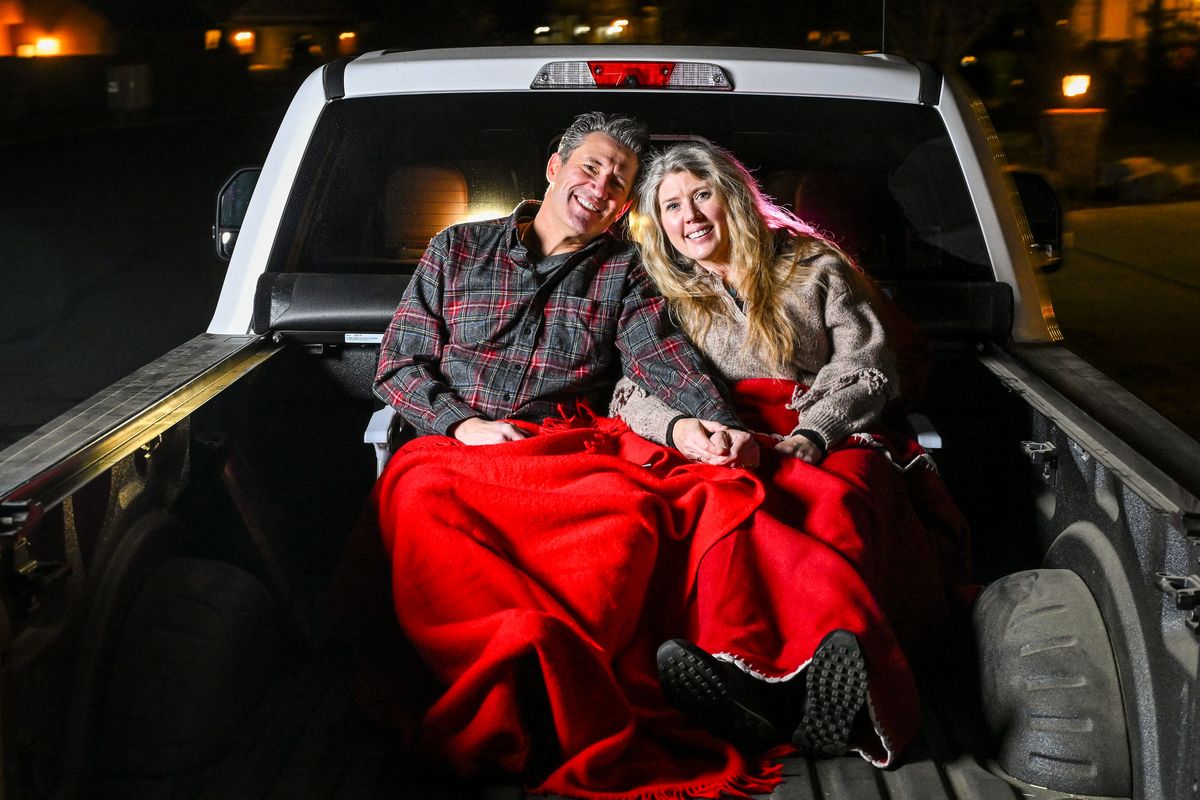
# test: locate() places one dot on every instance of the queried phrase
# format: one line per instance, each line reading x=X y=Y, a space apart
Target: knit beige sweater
x=841 y=354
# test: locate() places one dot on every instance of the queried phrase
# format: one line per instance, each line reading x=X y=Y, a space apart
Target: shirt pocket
x=475 y=321
x=580 y=333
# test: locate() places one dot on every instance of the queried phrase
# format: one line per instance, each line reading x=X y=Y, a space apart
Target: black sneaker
x=836 y=693
x=716 y=695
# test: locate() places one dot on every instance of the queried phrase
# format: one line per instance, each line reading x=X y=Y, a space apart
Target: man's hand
x=801 y=447
x=477 y=430
x=713 y=443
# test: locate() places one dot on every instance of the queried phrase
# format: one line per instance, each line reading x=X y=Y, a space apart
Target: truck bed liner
x=308 y=740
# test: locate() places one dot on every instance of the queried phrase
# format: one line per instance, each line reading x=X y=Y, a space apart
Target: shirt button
x=507 y=396
x=529 y=330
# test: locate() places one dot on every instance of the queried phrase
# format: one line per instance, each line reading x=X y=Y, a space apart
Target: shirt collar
x=525 y=212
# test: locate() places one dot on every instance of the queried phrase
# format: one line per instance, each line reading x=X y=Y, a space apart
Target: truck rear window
x=383 y=174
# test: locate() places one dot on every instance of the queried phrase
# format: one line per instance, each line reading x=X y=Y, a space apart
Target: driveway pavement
x=1128 y=301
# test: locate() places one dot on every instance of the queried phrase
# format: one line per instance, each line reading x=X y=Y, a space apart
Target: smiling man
x=510 y=319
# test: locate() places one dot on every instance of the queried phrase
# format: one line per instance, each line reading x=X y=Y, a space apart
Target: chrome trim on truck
x=54 y=461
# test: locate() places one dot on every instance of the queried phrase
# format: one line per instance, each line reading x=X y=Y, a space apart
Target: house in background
x=1119 y=21
x=31 y=28
x=293 y=34
x=1141 y=42
x=121 y=28
x=599 y=22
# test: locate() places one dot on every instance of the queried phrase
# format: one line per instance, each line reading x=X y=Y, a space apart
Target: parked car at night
x=168 y=545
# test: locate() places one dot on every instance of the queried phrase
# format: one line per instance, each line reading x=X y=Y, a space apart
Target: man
x=509 y=319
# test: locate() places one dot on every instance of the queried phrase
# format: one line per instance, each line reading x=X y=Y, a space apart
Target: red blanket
x=536 y=579
x=528 y=576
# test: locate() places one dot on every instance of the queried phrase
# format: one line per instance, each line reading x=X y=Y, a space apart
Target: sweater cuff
x=813 y=437
x=671 y=430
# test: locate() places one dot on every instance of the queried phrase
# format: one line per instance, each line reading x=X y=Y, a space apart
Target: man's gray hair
x=625 y=131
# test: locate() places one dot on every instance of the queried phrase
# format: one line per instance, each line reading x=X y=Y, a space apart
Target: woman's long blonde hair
x=769 y=249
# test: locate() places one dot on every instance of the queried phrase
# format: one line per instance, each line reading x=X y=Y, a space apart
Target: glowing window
x=1076 y=85
x=48 y=46
x=212 y=39
x=244 y=42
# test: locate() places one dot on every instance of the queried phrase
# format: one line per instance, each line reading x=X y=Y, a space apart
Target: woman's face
x=693 y=218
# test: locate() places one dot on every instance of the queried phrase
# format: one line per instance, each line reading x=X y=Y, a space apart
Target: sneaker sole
x=693 y=684
x=836 y=689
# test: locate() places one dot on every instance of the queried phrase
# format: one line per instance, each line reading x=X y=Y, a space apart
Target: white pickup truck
x=166 y=547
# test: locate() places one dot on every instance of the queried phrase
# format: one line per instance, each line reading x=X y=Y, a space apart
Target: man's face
x=590 y=190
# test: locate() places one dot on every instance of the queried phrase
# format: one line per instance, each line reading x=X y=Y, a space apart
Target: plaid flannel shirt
x=480 y=333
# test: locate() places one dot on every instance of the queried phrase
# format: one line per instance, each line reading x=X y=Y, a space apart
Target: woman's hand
x=801 y=447
x=713 y=443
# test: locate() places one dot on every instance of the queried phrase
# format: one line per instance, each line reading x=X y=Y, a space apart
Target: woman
x=791 y=614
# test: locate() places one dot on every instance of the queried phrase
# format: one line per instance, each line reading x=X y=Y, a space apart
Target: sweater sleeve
x=645 y=414
x=657 y=356
x=851 y=389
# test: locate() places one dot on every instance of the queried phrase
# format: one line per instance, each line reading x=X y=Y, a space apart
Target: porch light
x=244 y=42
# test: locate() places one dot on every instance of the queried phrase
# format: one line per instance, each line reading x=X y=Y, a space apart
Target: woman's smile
x=693 y=217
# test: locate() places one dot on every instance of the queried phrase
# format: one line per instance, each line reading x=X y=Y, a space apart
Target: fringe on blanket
x=768 y=774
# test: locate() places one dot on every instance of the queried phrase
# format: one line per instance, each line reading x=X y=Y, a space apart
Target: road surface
x=1128 y=301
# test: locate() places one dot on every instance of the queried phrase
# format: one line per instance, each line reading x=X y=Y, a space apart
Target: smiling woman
x=694 y=221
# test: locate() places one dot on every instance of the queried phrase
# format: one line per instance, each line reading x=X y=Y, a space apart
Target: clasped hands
x=713 y=443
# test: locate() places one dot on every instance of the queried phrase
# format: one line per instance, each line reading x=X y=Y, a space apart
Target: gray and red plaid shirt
x=483 y=331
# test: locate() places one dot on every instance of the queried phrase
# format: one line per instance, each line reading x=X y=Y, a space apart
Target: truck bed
x=276 y=476
x=308 y=739
x=282 y=721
